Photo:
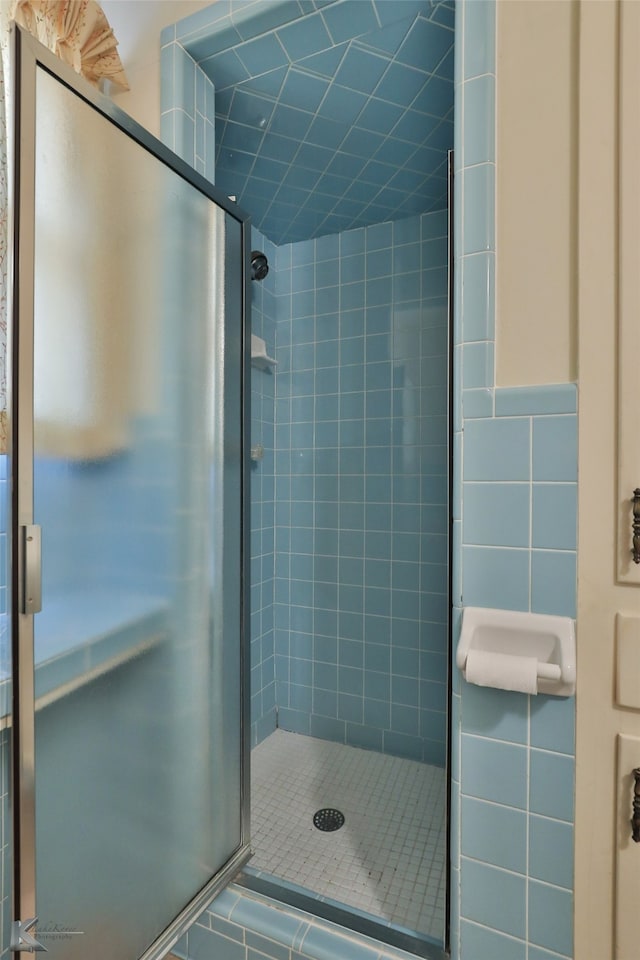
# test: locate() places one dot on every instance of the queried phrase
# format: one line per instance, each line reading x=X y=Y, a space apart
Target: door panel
x=629 y=291
x=131 y=464
x=607 y=861
x=627 y=853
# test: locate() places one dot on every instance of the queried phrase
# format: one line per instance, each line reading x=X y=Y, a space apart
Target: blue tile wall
x=343 y=696
x=187 y=103
x=263 y=324
x=515 y=489
x=327 y=88
x=361 y=477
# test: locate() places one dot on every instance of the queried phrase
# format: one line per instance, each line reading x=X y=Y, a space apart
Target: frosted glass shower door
x=129 y=386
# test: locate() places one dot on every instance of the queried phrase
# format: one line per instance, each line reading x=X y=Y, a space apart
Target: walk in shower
x=333 y=122
x=358 y=675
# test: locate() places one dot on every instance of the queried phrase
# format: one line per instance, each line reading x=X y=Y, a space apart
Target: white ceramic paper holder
x=551 y=640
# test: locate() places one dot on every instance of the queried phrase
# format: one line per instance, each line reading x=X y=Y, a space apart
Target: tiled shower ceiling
x=330 y=114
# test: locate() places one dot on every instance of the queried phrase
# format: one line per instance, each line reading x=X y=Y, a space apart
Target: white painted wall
x=536 y=192
x=137 y=25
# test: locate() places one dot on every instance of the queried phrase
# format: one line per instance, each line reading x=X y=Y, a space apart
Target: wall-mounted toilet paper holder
x=506 y=634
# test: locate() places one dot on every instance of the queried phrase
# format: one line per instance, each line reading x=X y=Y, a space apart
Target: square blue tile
x=494 y=771
x=261 y=55
x=555 y=448
x=377 y=714
x=499 y=714
x=405 y=719
x=426 y=45
x=553 y=582
x=555 y=516
x=553 y=723
x=551 y=851
x=326 y=728
x=368 y=738
x=302 y=90
x=379 y=116
x=402 y=745
x=497 y=449
x=493 y=897
x=551 y=785
x=304 y=37
x=361 y=70
x=343 y=105
x=479 y=941
x=496 y=577
x=325 y=703
x=495 y=834
x=477 y=403
x=326 y=62
x=389 y=13
x=551 y=917
x=339 y=19
x=496 y=514
x=400 y=83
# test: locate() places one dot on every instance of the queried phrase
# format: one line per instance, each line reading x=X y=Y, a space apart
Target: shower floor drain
x=328 y=819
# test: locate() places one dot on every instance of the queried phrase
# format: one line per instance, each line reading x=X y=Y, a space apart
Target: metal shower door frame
x=28 y=56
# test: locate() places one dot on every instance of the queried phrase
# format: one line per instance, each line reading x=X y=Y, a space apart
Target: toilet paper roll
x=502 y=670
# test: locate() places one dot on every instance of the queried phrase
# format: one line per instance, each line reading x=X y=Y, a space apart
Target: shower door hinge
x=21 y=939
x=32 y=569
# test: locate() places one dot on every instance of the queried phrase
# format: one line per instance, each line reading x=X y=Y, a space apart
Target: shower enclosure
x=137 y=725
x=129 y=727
x=349 y=665
x=333 y=121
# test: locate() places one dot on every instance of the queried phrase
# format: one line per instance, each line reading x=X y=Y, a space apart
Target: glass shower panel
x=137 y=489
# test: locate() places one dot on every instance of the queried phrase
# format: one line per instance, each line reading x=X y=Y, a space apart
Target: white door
x=607 y=859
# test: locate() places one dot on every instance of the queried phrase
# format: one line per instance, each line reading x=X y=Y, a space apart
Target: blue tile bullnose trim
x=534 y=401
x=243 y=925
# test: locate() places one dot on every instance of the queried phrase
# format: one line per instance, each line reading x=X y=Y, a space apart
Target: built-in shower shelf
x=79 y=638
x=259 y=358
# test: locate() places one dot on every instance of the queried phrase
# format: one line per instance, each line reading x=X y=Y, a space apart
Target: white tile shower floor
x=388 y=858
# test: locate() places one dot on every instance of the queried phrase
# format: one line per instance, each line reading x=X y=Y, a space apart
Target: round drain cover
x=328 y=819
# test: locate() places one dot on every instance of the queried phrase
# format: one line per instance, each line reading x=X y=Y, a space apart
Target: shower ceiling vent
x=328 y=819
